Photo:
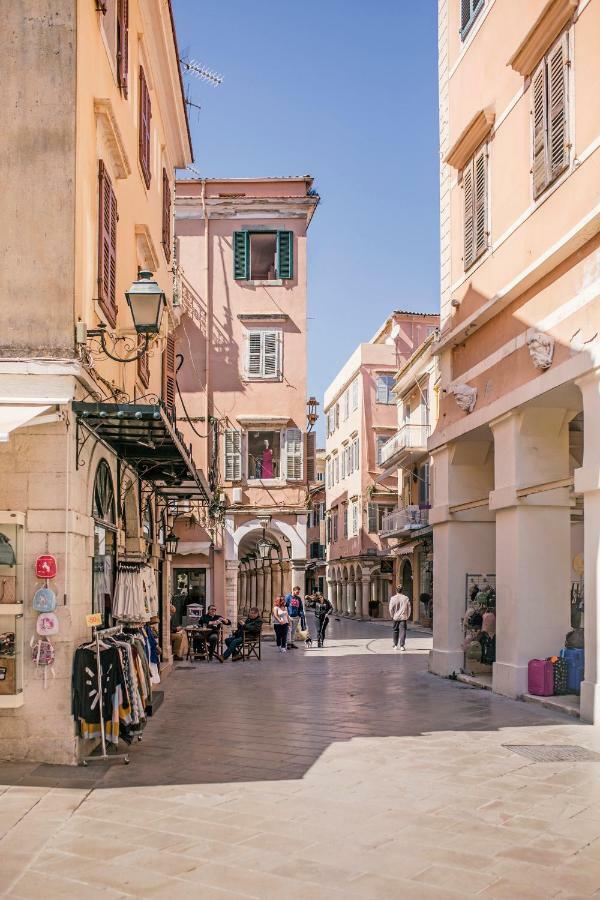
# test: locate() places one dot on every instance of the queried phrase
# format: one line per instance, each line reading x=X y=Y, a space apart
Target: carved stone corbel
x=541 y=349
x=465 y=396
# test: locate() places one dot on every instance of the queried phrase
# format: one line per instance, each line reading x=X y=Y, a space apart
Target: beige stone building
x=89 y=447
x=516 y=489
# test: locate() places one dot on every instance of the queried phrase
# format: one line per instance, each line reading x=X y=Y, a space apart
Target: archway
x=105 y=540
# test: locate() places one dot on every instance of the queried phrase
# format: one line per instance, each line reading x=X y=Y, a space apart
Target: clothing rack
x=105 y=632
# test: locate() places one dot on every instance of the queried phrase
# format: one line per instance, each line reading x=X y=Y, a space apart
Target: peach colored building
x=242 y=250
x=406 y=530
x=97 y=126
x=515 y=453
x=360 y=407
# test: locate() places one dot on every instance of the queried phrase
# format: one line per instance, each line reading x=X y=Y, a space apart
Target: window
x=166 y=216
x=263 y=359
x=355 y=517
x=381 y=442
x=469 y=10
x=475 y=207
x=549 y=87
x=320 y=476
x=123 y=44
x=336 y=464
x=264 y=454
x=169 y=382
x=375 y=515
x=311 y=457
x=423 y=484
x=385 y=384
x=295 y=459
x=233 y=455
x=263 y=255
x=328 y=530
x=356 y=445
x=355 y=394
x=330 y=423
x=334 y=523
x=344 y=459
x=144 y=128
x=345 y=518
x=346 y=404
x=336 y=412
x=107 y=246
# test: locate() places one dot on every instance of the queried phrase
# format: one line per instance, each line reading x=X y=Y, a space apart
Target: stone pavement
x=348 y=772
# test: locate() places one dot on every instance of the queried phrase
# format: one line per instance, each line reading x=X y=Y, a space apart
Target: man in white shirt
x=400 y=610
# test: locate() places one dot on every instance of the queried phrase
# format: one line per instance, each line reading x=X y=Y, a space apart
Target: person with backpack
x=322 y=609
x=295 y=608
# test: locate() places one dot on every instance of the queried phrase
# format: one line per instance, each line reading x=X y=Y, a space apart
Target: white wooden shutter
x=271 y=341
x=469 y=248
x=355 y=517
x=357 y=454
x=355 y=393
x=480 y=202
x=233 y=455
x=372 y=518
x=382 y=390
x=540 y=130
x=558 y=149
x=311 y=461
x=254 y=362
x=294 y=455
x=263 y=359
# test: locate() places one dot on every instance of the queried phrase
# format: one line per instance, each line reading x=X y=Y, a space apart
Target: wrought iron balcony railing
x=409 y=437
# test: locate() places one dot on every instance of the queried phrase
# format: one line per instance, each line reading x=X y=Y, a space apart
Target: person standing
x=322 y=609
x=400 y=609
x=295 y=608
x=281 y=621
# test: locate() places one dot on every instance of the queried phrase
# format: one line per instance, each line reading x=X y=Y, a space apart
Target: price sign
x=93 y=620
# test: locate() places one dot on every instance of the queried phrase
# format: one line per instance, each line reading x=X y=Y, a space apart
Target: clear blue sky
x=347 y=92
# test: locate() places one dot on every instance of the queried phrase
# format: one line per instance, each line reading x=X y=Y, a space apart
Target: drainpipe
x=207 y=405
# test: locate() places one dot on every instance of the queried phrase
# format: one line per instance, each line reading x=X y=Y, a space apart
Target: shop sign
x=93 y=620
x=45 y=566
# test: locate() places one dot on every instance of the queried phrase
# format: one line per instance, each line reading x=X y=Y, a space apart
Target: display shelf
x=12 y=529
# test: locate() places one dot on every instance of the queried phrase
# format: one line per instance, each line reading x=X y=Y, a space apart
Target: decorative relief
x=465 y=396
x=541 y=349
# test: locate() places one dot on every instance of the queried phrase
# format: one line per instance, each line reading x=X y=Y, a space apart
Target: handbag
x=8 y=588
x=301 y=634
x=7 y=554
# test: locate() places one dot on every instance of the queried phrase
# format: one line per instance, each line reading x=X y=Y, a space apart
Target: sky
x=345 y=91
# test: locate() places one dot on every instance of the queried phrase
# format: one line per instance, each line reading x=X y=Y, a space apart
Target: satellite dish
x=395 y=330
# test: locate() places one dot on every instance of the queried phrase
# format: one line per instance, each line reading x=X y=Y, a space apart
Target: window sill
x=253 y=379
x=273 y=282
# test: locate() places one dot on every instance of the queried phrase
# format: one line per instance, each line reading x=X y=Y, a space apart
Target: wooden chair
x=251 y=645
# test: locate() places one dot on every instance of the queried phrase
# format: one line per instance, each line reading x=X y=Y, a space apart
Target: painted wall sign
x=45 y=566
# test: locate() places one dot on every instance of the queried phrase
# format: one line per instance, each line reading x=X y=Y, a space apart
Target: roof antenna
x=202 y=72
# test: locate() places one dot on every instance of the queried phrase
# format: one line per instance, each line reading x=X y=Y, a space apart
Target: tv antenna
x=202 y=72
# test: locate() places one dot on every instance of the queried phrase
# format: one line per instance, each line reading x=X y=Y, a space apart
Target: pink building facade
x=361 y=417
x=242 y=275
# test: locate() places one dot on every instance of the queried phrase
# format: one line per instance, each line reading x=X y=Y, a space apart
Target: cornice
x=113 y=139
x=473 y=135
x=245 y=208
x=548 y=26
x=146 y=247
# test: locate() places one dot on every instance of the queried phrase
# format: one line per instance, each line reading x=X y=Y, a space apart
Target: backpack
x=44 y=600
x=42 y=656
x=47 y=623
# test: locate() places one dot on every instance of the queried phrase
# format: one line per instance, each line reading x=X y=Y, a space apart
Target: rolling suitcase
x=540 y=677
x=574 y=659
x=561 y=670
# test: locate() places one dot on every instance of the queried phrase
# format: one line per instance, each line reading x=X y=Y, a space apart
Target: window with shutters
x=311 y=459
x=122 y=44
x=356 y=445
x=264 y=455
x=107 y=246
x=294 y=455
x=475 y=203
x=549 y=114
x=385 y=385
x=169 y=384
x=355 y=517
x=233 y=454
x=336 y=468
x=166 y=215
x=344 y=459
x=145 y=115
x=469 y=10
x=328 y=529
x=354 y=391
x=346 y=404
x=334 y=523
x=263 y=255
x=372 y=518
x=381 y=442
x=263 y=357
x=345 y=518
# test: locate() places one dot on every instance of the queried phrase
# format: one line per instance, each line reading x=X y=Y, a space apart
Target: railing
x=409 y=437
x=407 y=518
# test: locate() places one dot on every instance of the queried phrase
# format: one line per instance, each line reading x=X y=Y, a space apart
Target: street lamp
x=171 y=542
x=146 y=303
x=311 y=412
x=264 y=547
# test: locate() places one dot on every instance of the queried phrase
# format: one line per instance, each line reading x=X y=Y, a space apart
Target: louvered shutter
x=166 y=216
x=311 y=461
x=355 y=518
x=144 y=128
x=372 y=518
x=233 y=455
x=382 y=390
x=293 y=445
x=107 y=246
x=285 y=254
x=540 y=148
x=469 y=214
x=123 y=44
x=465 y=13
x=271 y=354
x=254 y=363
x=241 y=255
x=357 y=454
x=558 y=150
x=168 y=374
x=479 y=202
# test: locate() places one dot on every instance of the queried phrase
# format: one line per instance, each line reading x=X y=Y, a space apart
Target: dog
x=308 y=642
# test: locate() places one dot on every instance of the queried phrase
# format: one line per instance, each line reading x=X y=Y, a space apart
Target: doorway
x=190 y=587
x=407 y=579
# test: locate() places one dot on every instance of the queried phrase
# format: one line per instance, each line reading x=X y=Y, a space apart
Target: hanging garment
x=129 y=602
x=149 y=578
x=489 y=623
x=85 y=694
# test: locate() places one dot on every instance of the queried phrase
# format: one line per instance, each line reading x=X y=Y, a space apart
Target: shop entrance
x=190 y=587
x=407 y=579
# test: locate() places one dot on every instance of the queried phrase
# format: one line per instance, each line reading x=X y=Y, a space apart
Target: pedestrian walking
x=281 y=621
x=400 y=609
x=295 y=608
x=322 y=609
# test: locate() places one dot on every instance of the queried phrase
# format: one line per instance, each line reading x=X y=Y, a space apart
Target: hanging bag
x=8 y=588
x=47 y=623
x=42 y=656
x=44 y=600
x=7 y=554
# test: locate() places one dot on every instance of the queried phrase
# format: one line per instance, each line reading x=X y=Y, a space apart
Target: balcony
x=409 y=440
x=405 y=519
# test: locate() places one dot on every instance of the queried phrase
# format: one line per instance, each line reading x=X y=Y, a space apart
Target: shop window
x=103 y=567
x=264 y=454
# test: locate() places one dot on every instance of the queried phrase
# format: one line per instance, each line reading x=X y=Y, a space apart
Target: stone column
x=366 y=589
x=464 y=542
x=587 y=482
x=253 y=583
x=331 y=592
x=231 y=584
x=268 y=596
x=299 y=575
x=533 y=541
x=260 y=584
x=374 y=595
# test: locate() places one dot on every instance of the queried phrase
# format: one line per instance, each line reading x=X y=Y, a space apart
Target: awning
x=145 y=437
x=187 y=548
x=405 y=549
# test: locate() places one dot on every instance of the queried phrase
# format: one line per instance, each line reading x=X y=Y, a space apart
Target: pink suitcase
x=540 y=677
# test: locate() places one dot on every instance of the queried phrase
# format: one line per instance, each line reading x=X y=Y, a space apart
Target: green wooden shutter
x=241 y=255
x=285 y=254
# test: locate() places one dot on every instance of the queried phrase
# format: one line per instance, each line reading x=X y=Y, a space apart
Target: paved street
x=343 y=772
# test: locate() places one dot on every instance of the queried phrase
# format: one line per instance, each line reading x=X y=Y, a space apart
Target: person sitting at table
x=251 y=626
x=211 y=620
x=179 y=638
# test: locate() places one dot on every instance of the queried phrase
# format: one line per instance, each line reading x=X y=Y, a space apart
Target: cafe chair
x=251 y=646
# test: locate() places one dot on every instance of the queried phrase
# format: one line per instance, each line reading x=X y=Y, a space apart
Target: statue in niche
x=541 y=349
x=465 y=396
